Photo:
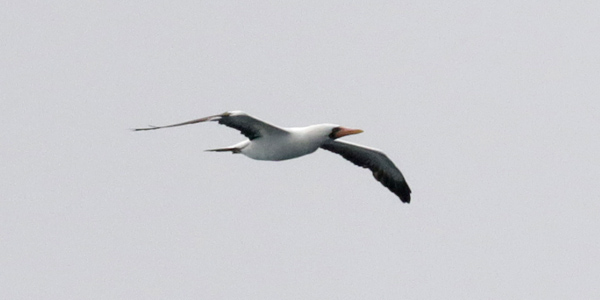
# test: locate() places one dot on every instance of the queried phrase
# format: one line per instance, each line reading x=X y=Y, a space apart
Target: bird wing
x=382 y=167
x=249 y=126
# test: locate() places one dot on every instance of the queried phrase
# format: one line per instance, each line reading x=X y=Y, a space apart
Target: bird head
x=339 y=131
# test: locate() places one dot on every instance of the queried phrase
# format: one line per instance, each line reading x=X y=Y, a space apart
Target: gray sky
x=491 y=110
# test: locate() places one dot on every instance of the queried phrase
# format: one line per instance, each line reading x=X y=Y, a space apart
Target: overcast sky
x=491 y=111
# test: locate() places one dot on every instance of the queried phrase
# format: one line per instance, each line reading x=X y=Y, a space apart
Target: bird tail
x=237 y=148
x=232 y=149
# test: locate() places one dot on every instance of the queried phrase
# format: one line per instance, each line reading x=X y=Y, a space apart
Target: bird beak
x=346 y=131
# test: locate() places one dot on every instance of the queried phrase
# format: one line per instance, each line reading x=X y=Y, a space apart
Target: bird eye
x=333 y=132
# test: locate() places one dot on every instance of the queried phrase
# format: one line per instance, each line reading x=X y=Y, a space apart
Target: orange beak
x=346 y=131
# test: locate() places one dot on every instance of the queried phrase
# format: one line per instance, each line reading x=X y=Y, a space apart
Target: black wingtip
x=150 y=127
x=405 y=194
x=405 y=199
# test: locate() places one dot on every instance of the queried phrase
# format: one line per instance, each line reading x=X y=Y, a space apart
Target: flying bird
x=270 y=142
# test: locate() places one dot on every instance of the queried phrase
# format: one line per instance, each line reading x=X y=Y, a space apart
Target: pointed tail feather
x=232 y=149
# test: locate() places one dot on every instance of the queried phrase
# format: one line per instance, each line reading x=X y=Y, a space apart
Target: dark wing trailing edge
x=249 y=126
x=382 y=167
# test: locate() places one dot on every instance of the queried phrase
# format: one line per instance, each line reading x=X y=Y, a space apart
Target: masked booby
x=270 y=142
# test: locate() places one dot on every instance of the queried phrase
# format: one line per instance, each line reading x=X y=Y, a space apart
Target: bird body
x=296 y=142
x=269 y=142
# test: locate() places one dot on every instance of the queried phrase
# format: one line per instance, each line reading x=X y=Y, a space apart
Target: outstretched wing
x=382 y=167
x=249 y=126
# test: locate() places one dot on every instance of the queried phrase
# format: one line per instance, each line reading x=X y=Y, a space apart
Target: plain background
x=490 y=109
